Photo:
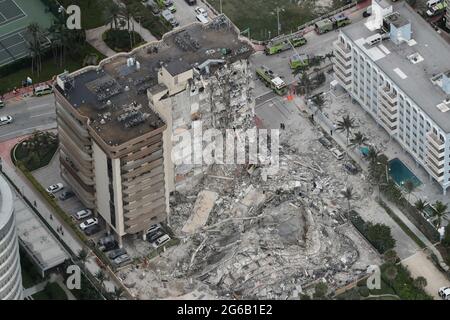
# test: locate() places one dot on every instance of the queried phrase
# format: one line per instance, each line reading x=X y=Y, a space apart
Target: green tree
x=118 y=293
x=380 y=236
x=408 y=186
x=348 y=194
x=420 y=205
x=358 y=140
x=391 y=273
x=390 y=256
x=440 y=210
x=35 y=47
x=101 y=277
x=320 y=291
x=346 y=125
x=82 y=257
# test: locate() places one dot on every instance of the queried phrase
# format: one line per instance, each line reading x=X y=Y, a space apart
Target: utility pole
x=221 y=7
x=278 y=20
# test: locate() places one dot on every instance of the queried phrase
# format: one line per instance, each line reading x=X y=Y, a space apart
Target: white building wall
x=101 y=183
x=413 y=123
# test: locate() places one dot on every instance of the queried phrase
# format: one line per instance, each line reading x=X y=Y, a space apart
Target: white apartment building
x=397 y=68
x=10 y=271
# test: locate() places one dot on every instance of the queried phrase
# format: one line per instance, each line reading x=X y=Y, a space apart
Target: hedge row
x=379 y=235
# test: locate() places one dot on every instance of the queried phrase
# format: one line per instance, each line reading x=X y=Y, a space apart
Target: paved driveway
x=420 y=265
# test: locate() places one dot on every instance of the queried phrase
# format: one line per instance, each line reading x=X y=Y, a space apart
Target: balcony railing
x=435 y=142
x=342 y=49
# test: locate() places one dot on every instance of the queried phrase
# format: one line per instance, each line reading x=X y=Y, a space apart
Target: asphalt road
x=28 y=115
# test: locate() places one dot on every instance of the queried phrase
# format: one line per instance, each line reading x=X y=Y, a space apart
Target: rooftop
x=113 y=94
x=411 y=64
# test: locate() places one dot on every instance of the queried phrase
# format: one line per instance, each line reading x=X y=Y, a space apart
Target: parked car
x=161 y=241
x=116 y=253
x=107 y=243
x=153 y=228
x=121 y=259
x=82 y=214
x=325 y=142
x=191 y=2
x=2 y=104
x=151 y=237
x=66 y=195
x=202 y=19
x=5 y=120
x=200 y=10
x=172 y=8
x=367 y=12
x=55 y=188
x=444 y=293
x=92 y=230
x=350 y=168
x=88 y=223
x=337 y=154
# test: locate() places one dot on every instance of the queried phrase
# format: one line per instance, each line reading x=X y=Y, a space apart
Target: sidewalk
x=67 y=236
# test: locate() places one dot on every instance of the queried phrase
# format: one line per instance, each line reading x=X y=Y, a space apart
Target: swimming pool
x=400 y=173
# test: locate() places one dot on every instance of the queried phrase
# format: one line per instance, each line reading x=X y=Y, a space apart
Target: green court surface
x=15 y=17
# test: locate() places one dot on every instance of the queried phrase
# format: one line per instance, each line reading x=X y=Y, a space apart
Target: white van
x=431 y=3
x=42 y=90
x=337 y=154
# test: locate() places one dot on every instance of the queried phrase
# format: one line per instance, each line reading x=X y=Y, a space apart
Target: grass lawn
x=119 y=40
x=49 y=70
x=52 y=291
x=261 y=15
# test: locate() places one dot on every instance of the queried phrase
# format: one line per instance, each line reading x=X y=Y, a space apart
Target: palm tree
x=348 y=194
x=346 y=125
x=440 y=210
x=390 y=256
x=420 y=282
x=35 y=47
x=409 y=188
x=318 y=101
x=373 y=155
x=358 y=140
x=114 y=12
x=82 y=256
x=101 y=277
x=304 y=85
x=391 y=273
x=118 y=293
x=420 y=205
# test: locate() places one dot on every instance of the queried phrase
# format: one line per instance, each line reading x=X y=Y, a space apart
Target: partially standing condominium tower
x=115 y=132
x=397 y=67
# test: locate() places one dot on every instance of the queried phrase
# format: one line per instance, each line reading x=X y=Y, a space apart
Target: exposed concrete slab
x=202 y=208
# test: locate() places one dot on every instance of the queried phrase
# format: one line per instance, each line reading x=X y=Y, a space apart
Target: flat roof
x=125 y=85
x=40 y=243
x=413 y=79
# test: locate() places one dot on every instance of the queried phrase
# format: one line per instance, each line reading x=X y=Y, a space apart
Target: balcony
x=435 y=142
x=388 y=96
x=437 y=173
x=344 y=81
x=342 y=49
x=388 y=125
x=337 y=59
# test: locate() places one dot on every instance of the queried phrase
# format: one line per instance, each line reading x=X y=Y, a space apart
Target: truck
x=329 y=24
x=272 y=80
x=298 y=60
x=436 y=9
x=274 y=47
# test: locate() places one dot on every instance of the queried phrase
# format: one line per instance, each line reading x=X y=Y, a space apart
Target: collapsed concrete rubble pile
x=266 y=239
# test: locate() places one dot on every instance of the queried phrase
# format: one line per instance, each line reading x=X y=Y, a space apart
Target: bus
x=42 y=90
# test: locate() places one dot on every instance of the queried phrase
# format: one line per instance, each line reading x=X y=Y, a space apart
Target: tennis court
x=15 y=17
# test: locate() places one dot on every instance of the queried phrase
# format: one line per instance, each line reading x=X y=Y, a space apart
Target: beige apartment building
x=115 y=120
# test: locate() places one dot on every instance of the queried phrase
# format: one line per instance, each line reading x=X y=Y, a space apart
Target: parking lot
x=50 y=175
x=185 y=13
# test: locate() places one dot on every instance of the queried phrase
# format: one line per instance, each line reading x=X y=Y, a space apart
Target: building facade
x=397 y=68
x=447 y=16
x=116 y=133
x=10 y=271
